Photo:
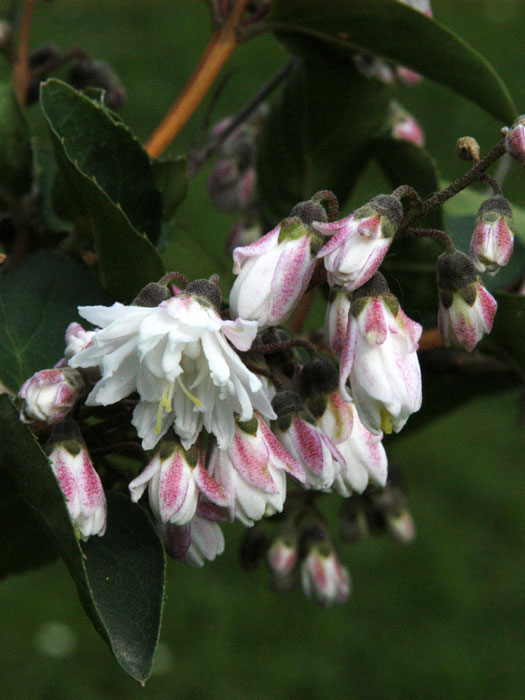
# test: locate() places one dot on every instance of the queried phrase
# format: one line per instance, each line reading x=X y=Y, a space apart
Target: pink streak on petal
x=209 y=487
x=309 y=446
x=251 y=461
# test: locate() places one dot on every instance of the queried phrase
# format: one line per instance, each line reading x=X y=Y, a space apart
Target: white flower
x=322 y=576
x=177 y=357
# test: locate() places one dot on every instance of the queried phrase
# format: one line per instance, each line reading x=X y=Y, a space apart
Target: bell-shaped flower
x=197 y=542
x=515 y=139
x=282 y=554
x=304 y=440
x=336 y=319
x=381 y=360
x=49 y=395
x=493 y=238
x=323 y=578
x=274 y=272
x=466 y=308
x=80 y=483
x=365 y=458
x=360 y=241
x=177 y=357
x=174 y=479
x=252 y=471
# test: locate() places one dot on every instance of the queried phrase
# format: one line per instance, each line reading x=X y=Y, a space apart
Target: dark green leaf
x=105 y=152
x=508 y=332
x=38 y=300
x=127 y=259
x=394 y=31
x=316 y=136
x=119 y=577
x=15 y=148
x=171 y=180
x=45 y=173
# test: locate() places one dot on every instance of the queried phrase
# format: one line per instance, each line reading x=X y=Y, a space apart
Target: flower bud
x=360 y=242
x=493 y=238
x=174 y=478
x=274 y=272
x=49 y=395
x=380 y=358
x=467 y=148
x=198 y=541
x=404 y=126
x=466 y=309
x=515 y=140
x=336 y=319
x=80 y=483
x=282 y=553
x=77 y=339
x=90 y=72
x=322 y=576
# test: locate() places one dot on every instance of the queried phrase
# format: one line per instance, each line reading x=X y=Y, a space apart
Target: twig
x=21 y=71
x=218 y=51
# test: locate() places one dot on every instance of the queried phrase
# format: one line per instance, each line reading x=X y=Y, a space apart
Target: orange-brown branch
x=21 y=72
x=218 y=51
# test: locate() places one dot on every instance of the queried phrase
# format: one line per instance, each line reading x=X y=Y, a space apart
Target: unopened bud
x=467 y=148
x=515 y=140
x=94 y=73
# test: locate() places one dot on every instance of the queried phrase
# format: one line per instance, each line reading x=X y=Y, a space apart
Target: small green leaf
x=120 y=576
x=316 y=136
x=38 y=300
x=127 y=259
x=395 y=32
x=171 y=180
x=16 y=158
x=105 y=152
x=45 y=174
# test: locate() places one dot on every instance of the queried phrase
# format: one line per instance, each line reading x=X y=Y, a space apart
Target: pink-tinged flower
x=80 y=483
x=404 y=126
x=252 y=471
x=282 y=554
x=360 y=242
x=336 y=319
x=365 y=458
x=49 y=395
x=174 y=479
x=198 y=541
x=381 y=360
x=230 y=188
x=274 y=272
x=493 y=238
x=515 y=139
x=323 y=577
x=77 y=339
x=177 y=357
x=304 y=440
x=466 y=308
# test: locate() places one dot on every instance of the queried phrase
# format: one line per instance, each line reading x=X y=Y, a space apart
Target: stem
x=493 y=183
x=249 y=108
x=218 y=51
x=328 y=198
x=265 y=373
x=434 y=233
x=409 y=193
x=21 y=72
x=430 y=339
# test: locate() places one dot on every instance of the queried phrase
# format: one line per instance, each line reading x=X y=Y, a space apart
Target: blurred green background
x=441 y=618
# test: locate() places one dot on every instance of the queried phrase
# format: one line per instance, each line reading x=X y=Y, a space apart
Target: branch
x=21 y=71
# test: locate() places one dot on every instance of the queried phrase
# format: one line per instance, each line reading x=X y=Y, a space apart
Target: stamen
x=188 y=393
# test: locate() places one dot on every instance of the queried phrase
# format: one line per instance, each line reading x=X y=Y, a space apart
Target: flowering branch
x=216 y=54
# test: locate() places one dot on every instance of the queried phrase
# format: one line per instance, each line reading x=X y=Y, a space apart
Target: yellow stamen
x=386 y=421
x=188 y=393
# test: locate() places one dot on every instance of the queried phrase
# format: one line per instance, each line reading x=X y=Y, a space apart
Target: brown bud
x=467 y=148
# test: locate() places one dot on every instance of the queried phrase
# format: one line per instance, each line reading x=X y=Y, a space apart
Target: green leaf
x=317 y=134
x=396 y=32
x=38 y=300
x=508 y=332
x=171 y=180
x=45 y=174
x=120 y=576
x=16 y=158
x=105 y=152
x=127 y=259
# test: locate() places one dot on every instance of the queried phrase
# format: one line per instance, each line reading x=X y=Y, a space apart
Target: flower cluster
x=234 y=422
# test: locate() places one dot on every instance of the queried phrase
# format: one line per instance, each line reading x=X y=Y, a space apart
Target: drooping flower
x=322 y=576
x=466 y=308
x=304 y=440
x=80 y=483
x=381 y=360
x=336 y=319
x=515 y=139
x=198 y=541
x=274 y=272
x=49 y=395
x=282 y=554
x=174 y=478
x=177 y=357
x=404 y=126
x=493 y=238
x=360 y=242
x=252 y=471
